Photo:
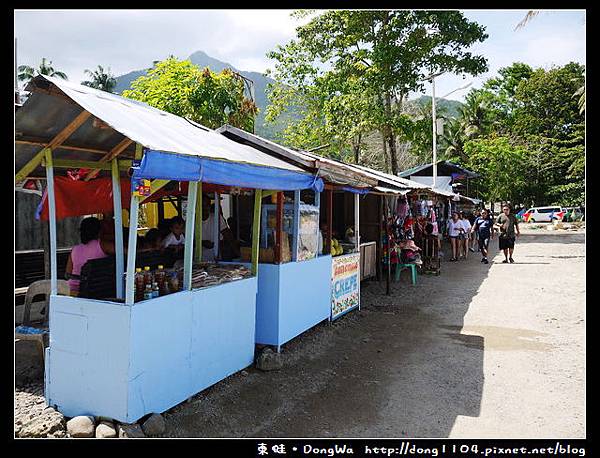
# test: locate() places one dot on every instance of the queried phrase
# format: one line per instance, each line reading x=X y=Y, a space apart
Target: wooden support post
x=379 y=252
x=119 y=259
x=121 y=146
x=256 y=230
x=198 y=225
x=30 y=166
x=329 y=219
x=296 y=228
x=278 y=252
x=216 y=225
x=189 y=235
x=389 y=251
x=138 y=150
x=51 y=222
x=56 y=141
x=131 y=250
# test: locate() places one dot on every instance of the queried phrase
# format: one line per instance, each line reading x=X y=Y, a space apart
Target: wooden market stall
x=286 y=304
x=122 y=357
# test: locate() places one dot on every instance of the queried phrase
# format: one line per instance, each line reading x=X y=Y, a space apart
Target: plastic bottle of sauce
x=139 y=284
x=148 y=276
x=159 y=277
x=155 y=290
x=148 y=292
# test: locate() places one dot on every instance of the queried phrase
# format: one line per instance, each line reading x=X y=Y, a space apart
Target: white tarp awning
x=402 y=192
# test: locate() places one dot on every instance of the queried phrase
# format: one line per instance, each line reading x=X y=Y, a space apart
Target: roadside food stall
x=286 y=305
x=122 y=357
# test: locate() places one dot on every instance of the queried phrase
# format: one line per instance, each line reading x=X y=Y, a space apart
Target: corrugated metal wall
x=28 y=230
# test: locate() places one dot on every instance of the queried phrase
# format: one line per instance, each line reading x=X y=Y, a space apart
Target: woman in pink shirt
x=91 y=247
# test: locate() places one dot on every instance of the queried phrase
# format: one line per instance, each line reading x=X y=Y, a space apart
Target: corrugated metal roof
x=391 y=191
x=48 y=111
x=333 y=171
x=392 y=179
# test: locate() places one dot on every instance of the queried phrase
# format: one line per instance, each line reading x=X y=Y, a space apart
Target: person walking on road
x=483 y=227
x=509 y=230
x=454 y=229
x=464 y=235
x=473 y=235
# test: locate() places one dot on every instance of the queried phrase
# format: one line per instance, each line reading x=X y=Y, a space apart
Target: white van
x=543 y=214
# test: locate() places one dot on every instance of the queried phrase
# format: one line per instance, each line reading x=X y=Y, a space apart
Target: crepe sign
x=345 y=284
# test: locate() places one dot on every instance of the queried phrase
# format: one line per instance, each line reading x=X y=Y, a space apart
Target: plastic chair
x=38 y=288
x=401 y=267
x=38 y=333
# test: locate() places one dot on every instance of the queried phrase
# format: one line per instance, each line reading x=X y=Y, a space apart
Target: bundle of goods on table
x=160 y=282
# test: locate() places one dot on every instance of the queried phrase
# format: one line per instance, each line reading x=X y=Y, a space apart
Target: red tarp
x=77 y=197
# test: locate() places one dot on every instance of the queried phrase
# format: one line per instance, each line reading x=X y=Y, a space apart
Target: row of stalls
x=309 y=229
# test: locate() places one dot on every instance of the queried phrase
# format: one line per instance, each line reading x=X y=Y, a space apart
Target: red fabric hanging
x=78 y=198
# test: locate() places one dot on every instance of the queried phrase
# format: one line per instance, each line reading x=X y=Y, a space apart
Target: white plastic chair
x=40 y=287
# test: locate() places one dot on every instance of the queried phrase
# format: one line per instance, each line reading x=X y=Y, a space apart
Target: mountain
x=261 y=82
x=446 y=107
x=201 y=59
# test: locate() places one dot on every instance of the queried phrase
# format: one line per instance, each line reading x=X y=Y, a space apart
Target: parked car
x=543 y=214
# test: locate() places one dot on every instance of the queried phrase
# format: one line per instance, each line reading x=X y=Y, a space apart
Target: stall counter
x=125 y=361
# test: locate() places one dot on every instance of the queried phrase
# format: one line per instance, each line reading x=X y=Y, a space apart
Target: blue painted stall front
x=292 y=298
x=125 y=361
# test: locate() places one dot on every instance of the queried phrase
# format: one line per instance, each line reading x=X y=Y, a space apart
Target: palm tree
x=528 y=17
x=453 y=139
x=26 y=72
x=100 y=79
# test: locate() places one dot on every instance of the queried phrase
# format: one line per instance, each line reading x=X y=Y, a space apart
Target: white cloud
x=129 y=40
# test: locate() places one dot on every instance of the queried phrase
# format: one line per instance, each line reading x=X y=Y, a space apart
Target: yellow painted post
x=138 y=151
x=256 y=229
x=31 y=165
x=198 y=226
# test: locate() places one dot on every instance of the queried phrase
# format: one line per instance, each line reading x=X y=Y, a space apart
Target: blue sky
x=129 y=40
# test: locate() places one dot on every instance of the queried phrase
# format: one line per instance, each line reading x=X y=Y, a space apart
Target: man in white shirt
x=208 y=229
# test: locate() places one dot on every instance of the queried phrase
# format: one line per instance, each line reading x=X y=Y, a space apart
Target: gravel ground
x=481 y=351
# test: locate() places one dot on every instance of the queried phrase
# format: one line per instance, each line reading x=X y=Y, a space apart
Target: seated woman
x=91 y=247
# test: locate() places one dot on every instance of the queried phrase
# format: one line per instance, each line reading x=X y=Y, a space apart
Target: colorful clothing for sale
x=402 y=208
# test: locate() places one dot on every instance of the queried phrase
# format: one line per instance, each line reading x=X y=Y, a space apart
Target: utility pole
x=434 y=130
x=434 y=119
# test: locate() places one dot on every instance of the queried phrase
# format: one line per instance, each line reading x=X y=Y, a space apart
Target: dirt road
x=492 y=350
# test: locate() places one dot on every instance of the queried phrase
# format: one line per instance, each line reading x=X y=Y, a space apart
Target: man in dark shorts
x=509 y=230
x=483 y=226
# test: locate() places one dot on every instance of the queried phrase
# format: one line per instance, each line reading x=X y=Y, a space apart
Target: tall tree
x=100 y=79
x=45 y=68
x=390 y=52
x=209 y=98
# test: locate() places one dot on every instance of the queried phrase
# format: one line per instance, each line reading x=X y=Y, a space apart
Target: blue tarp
x=360 y=191
x=169 y=166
